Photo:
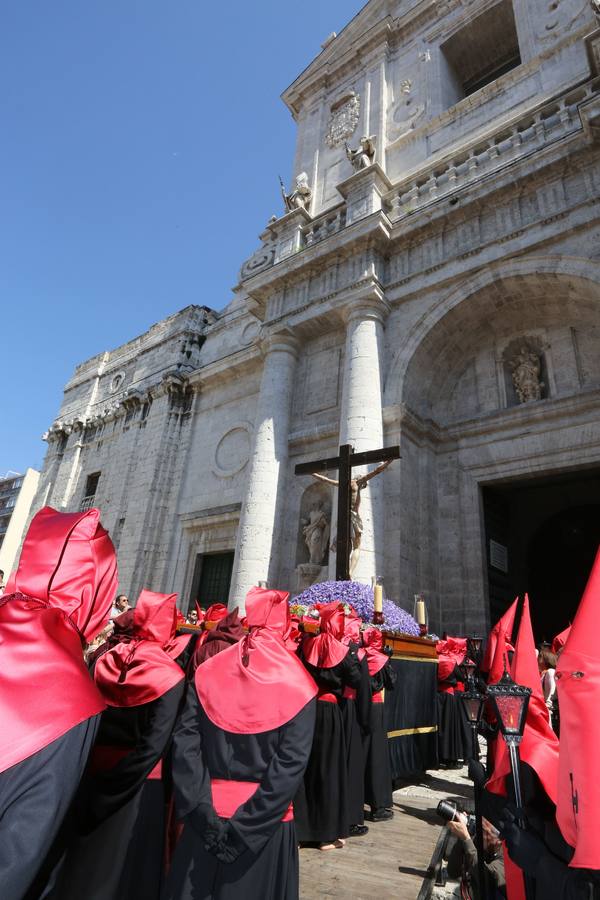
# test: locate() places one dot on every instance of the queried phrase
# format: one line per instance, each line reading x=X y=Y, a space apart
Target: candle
x=421 y=617
x=378 y=598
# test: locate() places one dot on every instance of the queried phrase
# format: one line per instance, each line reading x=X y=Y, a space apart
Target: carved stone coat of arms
x=343 y=120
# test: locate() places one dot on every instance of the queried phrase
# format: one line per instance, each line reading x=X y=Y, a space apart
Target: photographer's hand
x=459 y=829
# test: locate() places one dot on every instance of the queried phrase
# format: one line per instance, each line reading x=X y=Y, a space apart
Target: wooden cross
x=344 y=463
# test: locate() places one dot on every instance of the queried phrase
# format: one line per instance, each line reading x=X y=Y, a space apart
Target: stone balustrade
x=533 y=131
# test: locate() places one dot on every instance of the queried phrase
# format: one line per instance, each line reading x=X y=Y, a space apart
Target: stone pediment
x=374 y=17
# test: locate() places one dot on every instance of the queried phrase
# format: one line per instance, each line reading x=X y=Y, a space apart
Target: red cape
x=578 y=684
x=326 y=650
x=539 y=746
x=62 y=595
x=140 y=668
x=257 y=684
x=504 y=625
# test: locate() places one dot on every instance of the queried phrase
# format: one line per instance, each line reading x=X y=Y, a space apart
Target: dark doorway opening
x=541 y=537
x=212 y=578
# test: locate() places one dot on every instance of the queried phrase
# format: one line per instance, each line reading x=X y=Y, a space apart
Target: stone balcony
x=485 y=154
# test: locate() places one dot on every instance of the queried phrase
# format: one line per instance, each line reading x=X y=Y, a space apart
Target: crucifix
x=349 y=489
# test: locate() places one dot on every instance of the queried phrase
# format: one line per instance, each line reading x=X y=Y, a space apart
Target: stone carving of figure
x=316 y=533
x=526 y=369
x=595 y=4
x=363 y=156
x=356 y=524
x=301 y=196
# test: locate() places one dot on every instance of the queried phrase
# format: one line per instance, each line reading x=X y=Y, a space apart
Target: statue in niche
x=316 y=533
x=356 y=525
x=526 y=369
x=364 y=155
x=300 y=197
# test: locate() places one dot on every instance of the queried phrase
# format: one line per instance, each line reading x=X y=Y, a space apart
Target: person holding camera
x=462 y=860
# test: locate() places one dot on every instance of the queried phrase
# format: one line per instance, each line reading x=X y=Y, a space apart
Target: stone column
x=361 y=422
x=257 y=551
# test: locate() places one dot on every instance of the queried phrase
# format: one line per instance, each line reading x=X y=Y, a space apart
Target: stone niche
x=314 y=537
x=525 y=370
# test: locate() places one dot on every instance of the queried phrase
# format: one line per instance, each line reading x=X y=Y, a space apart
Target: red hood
x=68 y=561
x=560 y=640
x=539 y=746
x=578 y=679
x=373 y=644
x=504 y=625
x=62 y=594
x=326 y=650
x=265 y=685
x=140 y=667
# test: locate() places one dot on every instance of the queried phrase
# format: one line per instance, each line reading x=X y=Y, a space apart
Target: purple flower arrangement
x=360 y=598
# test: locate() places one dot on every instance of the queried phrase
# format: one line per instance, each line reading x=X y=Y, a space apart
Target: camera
x=448 y=811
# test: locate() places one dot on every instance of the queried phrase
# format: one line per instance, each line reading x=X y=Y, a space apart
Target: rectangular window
x=212 y=578
x=483 y=50
x=91 y=486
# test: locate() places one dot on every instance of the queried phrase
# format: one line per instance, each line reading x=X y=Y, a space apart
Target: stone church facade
x=440 y=291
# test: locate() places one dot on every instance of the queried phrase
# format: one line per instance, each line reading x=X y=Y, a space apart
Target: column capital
x=366 y=303
x=282 y=341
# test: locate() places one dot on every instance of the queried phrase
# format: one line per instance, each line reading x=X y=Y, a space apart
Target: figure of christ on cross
x=349 y=523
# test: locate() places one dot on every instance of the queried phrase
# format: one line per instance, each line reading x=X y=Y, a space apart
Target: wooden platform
x=390 y=862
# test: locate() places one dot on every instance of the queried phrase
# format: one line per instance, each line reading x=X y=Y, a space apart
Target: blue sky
x=139 y=152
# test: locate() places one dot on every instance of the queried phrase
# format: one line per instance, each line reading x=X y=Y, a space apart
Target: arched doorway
x=559 y=559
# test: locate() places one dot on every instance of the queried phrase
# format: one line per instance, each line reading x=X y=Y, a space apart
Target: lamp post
x=474 y=702
x=474 y=645
x=510 y=702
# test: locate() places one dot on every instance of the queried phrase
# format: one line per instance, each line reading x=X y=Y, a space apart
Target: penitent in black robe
x=254 y=854
x=378 y=775
x=322 y=803
x=117 y=839
x=35 y=796
x=356 y=717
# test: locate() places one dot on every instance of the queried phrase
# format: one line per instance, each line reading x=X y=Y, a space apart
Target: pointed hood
x=505 y=625
x=578 y=680
x=140 y=667
x=326 y=650
x=256 y=685
x=60 y=597
x=539 y=746
x=352 y=633
x=560 y=640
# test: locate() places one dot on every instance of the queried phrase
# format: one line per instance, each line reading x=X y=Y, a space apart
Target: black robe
x=356 y=718
x=35 y=796
x=378 y=773
x=254 y=854
x=322 y=803
x=455 y=740
x=116 y=844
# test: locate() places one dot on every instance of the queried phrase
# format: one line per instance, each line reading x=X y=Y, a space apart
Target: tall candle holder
x=378 y=617
x=420 y=614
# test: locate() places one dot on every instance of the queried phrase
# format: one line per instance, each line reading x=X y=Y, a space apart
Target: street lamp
x=474 y=649
x=467 y=670
x=474 y=703
x=510 y=702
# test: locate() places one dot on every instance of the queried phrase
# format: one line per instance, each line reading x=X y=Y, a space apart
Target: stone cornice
x=510 y=422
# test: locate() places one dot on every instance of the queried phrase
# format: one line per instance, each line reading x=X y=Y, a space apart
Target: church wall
x=410 y=96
